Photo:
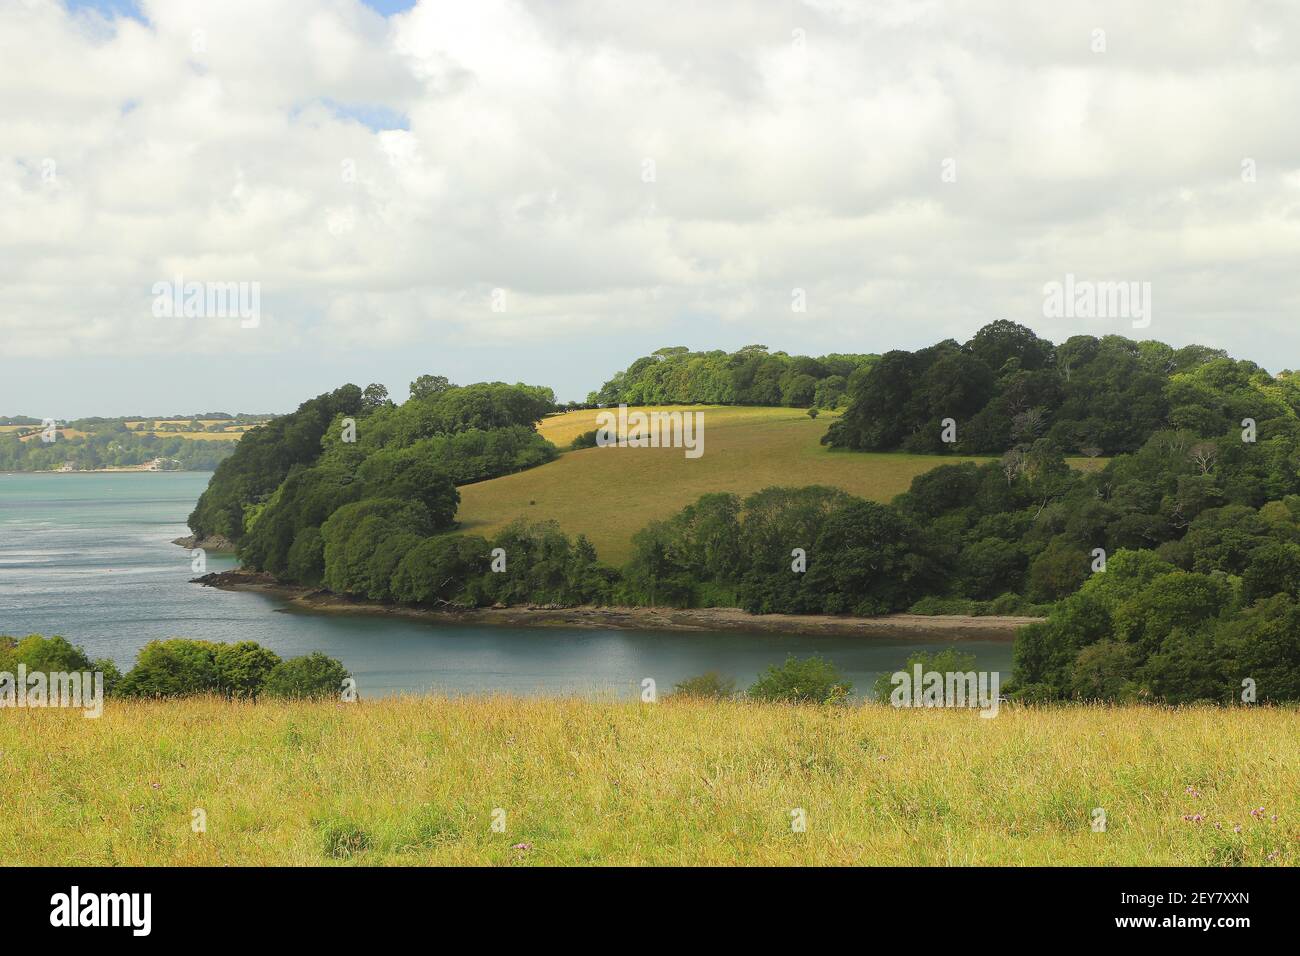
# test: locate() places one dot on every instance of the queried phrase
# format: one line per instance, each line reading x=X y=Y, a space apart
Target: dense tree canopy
x=751 y=376
x=263 y=459
x=1007 y=388
x=286 y=478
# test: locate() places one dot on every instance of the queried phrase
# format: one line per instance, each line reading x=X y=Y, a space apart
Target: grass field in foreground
x=609 y=494
x=416 y=781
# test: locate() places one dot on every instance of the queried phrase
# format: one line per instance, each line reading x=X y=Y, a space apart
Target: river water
x=89 y=556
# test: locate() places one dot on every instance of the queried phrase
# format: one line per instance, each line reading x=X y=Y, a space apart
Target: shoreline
x=121 y=470
x=957 y=627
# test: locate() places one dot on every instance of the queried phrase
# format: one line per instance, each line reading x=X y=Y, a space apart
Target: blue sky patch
x=113 y=9
x=389 y=7
x=375 y=116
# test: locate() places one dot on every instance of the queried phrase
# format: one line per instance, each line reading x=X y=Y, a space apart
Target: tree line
x=1006 y=388
x=114 y=447
x=750 y=376
x=180 y=667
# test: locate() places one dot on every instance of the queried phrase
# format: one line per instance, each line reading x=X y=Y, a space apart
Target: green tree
x=312 y=677
x=1058 y=571
x=1106 y=671
x=1274 y=568
x=242 y=669
x=429 y=386
x=172 y=668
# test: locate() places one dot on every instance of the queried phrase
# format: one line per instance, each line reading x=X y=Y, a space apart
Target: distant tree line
x=113 y=447
x=751 y=376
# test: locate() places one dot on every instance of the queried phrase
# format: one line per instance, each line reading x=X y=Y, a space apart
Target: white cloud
x=793 y=146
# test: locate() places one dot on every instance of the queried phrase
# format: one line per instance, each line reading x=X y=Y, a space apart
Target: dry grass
x=416 y=780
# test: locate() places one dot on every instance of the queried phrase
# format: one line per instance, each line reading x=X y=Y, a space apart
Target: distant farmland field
x=609 y=494
x=202 y=436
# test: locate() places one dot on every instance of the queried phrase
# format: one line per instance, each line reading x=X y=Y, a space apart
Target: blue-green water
x=89 y=556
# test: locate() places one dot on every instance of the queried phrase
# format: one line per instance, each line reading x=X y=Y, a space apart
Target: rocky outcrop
x=215 y=542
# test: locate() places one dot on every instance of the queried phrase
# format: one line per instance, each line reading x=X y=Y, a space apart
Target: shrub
x=54 y=655
x=709 y=686
x=172 y=668
x=811 y=680
x=932 y=606
x=1104 y=671
x=242 y=669
x=314 y=677
x=947 y=661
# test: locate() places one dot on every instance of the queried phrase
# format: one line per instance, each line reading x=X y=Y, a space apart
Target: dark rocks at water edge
x=216 y=542
x=237 y=579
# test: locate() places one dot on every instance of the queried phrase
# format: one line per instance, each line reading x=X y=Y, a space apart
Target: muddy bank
x=897 y=626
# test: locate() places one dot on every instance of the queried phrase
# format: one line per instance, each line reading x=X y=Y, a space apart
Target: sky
x=545 y=191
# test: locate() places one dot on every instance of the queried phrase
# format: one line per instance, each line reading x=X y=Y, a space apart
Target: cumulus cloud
x=917 y=169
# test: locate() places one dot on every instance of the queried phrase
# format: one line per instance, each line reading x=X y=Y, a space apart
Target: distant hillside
x=24 y=449
x=177 y=442
x=609 y=494
x=1169 y=572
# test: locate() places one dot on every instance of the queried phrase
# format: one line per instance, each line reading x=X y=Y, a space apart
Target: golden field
x=416 y=781
x=609 y=494
x=201 y=436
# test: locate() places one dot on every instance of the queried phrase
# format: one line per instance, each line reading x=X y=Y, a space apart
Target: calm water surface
x=89 y=556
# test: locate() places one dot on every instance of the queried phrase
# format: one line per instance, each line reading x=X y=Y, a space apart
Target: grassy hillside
x=415 y=781
x=609 y=494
